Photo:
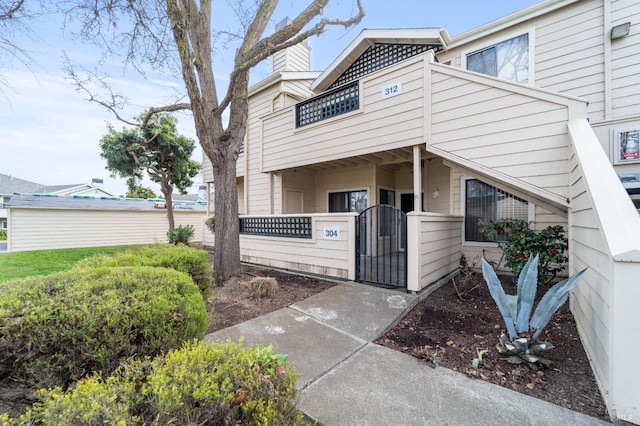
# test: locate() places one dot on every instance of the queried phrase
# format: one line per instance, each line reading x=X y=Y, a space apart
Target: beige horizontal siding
x=257 y=183
x=326 y=257
x=569 y=54
x=437 y=242
x=41 y=229
x=509 y=131
x=379 y=124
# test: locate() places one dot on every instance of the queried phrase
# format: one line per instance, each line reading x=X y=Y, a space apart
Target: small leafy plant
x=520 y=344
x=264 y=359
x=3 y=234
x=477 y=361
x=181 y=234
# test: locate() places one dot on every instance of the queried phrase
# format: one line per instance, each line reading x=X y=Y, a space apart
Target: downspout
x=606 y=14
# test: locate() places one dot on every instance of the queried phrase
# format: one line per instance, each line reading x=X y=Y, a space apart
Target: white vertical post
x=417 y=180
x=413 y=251
x=351 y=250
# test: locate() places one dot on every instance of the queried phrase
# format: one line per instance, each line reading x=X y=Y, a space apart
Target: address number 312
x=392 y=89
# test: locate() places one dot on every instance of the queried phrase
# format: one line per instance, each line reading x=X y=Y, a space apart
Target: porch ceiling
x=392 y=159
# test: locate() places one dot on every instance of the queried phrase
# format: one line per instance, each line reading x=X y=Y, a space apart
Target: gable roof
x=367 y=38
x=10 y=184
x=435 y=36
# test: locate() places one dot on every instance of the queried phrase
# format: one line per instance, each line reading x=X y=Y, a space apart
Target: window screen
x=487 y=203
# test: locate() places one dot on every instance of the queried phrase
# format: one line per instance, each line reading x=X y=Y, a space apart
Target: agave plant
x=521 y=344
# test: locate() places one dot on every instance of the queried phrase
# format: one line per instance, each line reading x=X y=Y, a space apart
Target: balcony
x=335 y=102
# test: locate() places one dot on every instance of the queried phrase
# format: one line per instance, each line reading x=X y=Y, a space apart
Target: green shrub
x=57 y=328
x=3 y=234
x=181 y=234
x=181 y=258
x=217 y=383
x=519 y=242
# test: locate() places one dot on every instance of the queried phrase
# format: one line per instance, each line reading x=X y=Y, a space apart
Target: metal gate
x=381 y=241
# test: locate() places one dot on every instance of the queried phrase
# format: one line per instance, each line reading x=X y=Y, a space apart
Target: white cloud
x=50 y=134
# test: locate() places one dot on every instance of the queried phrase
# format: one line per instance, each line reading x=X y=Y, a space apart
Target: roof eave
x=510 y=20
x=367 y=38
x=281 y=76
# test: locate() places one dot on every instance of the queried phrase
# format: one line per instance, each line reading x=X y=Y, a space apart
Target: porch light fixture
x=435 y=193
x=620 y=31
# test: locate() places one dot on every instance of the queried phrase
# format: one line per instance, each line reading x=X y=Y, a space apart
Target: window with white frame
x=508 y=59
x=487 y=203
x=348 y=201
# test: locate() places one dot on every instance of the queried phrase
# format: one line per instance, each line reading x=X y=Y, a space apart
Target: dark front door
x=381 y=258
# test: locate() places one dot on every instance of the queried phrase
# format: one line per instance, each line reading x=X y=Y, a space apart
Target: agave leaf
x=522 y=344
x=529 y=357
x=527 y=285
x=551 y=302
x=497 y=292
x=544 y=361
x=514 y=359
x=512 y=302
x=475 y=363
x=539 y=347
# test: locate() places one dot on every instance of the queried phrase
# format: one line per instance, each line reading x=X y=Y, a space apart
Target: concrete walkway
x=347 y=380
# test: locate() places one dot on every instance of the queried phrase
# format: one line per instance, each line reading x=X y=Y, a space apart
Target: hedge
x=57 y=328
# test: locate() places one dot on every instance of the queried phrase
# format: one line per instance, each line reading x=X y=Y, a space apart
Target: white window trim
x=531 y=213
x=475 y=47
x=332 y=191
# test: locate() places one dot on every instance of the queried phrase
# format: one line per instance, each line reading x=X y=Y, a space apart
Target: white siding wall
x=625 y=59
x=569 y=54
x=605 y=237
x=41 y=229
x=379 y=124
x=573 y=54
x=433 y=250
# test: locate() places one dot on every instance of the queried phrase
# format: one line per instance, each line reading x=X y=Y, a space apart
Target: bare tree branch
x=8 y=11
x=114 y=102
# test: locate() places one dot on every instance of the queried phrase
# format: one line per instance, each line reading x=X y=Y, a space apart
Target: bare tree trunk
x=168 y=198
x=226 y=258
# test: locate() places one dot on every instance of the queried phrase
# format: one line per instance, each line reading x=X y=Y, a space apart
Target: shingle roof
x=45 y=201
x=10 y=184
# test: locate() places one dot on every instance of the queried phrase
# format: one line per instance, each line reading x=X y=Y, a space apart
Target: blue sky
x=49 y=133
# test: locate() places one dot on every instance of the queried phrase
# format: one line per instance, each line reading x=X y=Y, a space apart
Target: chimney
x=202 y=193
x=294 y=58
x=99 y=183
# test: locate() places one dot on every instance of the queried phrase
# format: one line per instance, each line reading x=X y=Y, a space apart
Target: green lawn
x=43 y=262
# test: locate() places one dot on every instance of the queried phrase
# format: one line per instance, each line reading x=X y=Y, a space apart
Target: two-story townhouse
x=532 y=116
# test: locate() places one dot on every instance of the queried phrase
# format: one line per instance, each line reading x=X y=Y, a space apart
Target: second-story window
x=508 y=59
